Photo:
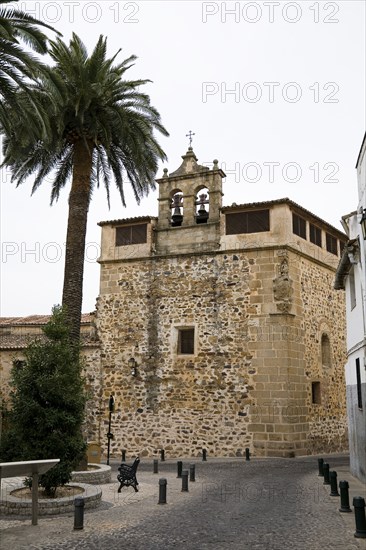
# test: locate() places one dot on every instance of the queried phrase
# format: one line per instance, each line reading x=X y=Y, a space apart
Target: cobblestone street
x=262 y=504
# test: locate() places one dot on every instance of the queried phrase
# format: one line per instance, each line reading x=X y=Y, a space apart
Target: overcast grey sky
x=274 y=90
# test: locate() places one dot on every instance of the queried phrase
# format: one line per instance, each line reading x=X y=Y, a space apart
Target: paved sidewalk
x=340 y=463
x=270 y=504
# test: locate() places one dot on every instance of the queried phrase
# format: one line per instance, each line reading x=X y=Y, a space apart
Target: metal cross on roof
x=189 y=135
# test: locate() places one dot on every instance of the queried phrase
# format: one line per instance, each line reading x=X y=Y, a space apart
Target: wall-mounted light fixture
x=132 y=366
x=363 y=223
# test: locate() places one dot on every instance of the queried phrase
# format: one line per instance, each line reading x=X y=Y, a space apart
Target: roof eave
x=345 y=264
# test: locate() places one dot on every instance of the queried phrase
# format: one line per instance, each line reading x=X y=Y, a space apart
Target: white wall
x=356 y=335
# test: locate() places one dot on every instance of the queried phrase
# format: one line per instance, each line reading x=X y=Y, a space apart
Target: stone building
x=17 y=332
x=229 y=321
x=218 y=327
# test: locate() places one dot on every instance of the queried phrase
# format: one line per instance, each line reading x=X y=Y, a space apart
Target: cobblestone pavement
x=266 y=504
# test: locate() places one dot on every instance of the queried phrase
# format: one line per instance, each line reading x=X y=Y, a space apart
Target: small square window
x=315 y=393
x=186 y=341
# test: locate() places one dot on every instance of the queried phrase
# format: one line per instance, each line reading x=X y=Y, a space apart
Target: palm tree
x=16 y=63
x=101 y=126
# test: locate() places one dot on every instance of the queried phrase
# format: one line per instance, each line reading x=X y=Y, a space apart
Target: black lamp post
x=109 y=434
x=363 y=223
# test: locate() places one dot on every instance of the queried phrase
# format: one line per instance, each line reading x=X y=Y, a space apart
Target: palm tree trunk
x=79 y=198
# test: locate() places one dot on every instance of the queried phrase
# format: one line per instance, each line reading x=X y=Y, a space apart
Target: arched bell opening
x=202 y=205
x=177 y=208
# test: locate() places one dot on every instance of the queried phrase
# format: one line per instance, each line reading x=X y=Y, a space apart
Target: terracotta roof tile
x=39 y=320
x=20 y=341
x=21 y=337
x=128 y=220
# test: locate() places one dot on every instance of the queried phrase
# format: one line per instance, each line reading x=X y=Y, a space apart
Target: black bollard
x=123 y=455
x=204 y=455
x=156 y=467
x=320 y=467
x=326 y=474
x=247 y=454
x=343 y=487
x=162 y=490
x=359 y=506
x=192 y=472
x=79 y=513
x=179 y=468
x=333 y=484
x=185 y=481
x=162 y=455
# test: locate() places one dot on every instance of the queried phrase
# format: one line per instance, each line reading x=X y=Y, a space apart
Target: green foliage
x=95 y=127
x=16 y=63
x=47 y=405
x=86 y=100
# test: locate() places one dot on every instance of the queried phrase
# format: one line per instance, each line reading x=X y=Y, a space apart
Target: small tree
x=47 y=405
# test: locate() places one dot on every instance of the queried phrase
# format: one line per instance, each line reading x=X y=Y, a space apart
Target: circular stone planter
x=92 y=496
x=99 y=474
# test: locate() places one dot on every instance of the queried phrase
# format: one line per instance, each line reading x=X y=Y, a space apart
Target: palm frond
x=63 y=172
x=86 y=100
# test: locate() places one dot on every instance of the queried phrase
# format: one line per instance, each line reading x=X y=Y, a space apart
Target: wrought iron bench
x=127 y=475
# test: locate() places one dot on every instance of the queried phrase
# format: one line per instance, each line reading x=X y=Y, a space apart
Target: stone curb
x=101 y=475
x=10 y=505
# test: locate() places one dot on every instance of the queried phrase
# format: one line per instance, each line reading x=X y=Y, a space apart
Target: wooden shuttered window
x=131 y=234
x=253 y=221
x=315 y=235
x=298 y=226
x=331 y=244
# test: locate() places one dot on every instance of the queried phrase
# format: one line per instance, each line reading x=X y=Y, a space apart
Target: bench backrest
x=135 y=464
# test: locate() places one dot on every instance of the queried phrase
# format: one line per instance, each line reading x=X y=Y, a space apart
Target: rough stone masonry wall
x=93 y=386
x=324 y=313
x=249 y=383
x=179 y=403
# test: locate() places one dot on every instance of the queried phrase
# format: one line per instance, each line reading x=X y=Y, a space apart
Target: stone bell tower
x=190 y=199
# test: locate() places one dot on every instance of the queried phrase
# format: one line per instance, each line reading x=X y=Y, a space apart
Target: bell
x=177 y=216
x=202 y=215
